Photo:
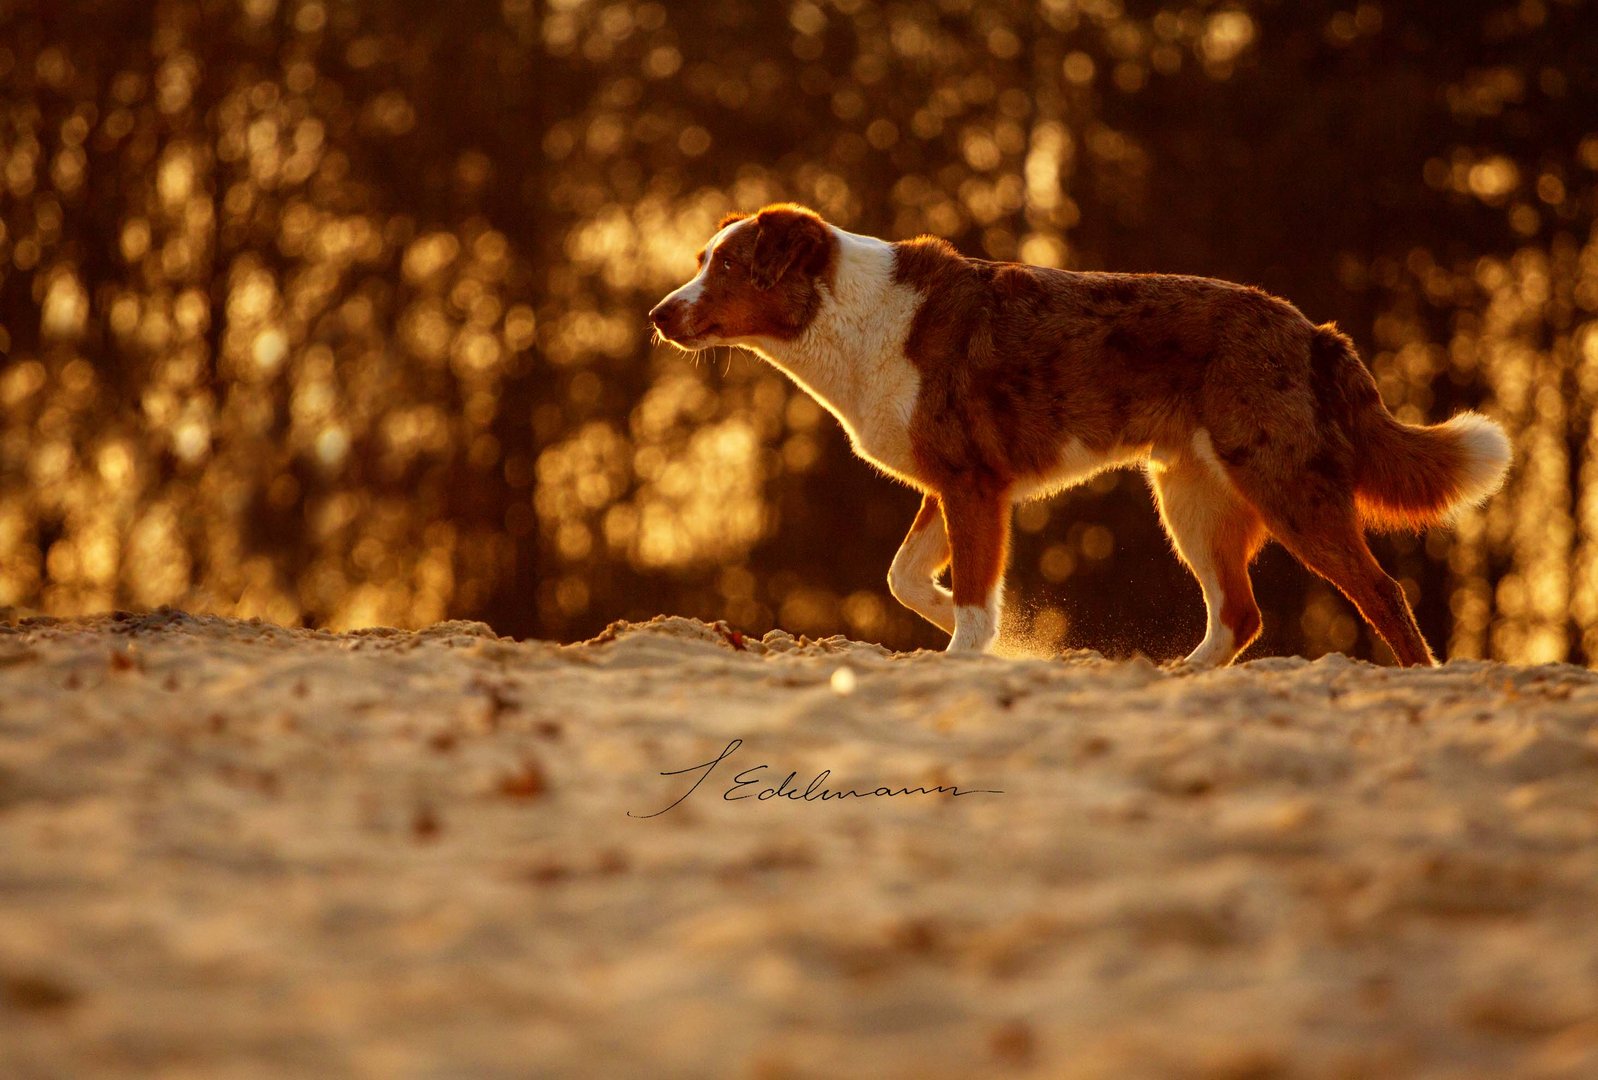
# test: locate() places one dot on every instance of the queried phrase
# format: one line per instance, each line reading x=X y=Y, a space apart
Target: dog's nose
x=660 y=314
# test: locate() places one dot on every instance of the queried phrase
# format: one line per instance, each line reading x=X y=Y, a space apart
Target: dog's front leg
x=912 y=579
x=976 y=514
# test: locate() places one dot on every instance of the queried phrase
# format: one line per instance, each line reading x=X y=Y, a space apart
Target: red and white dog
x=983 y=384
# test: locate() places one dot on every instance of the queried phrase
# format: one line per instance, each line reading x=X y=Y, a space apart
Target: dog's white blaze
x=851 y=357
x=689 y=292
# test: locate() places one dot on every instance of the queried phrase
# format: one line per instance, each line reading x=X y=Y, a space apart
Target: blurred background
x=332 y=311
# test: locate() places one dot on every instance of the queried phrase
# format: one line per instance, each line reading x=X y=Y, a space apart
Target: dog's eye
x=726 y=264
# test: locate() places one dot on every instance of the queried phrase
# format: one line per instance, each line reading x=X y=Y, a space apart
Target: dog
x=984 y=384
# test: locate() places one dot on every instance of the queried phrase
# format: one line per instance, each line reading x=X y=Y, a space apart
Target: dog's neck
x=851 y=356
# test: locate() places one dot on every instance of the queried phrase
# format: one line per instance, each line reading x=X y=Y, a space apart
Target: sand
x=229 y=849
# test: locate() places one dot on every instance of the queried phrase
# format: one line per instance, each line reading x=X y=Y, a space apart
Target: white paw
x=1216 y=650
x=975 y=629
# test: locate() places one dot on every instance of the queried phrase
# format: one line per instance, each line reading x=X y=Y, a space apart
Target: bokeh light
x=334 y=313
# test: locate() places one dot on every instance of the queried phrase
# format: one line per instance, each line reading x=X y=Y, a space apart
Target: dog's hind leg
x=1216 y=534
x=912 y=579
x=977 y=518
x=1310 y=509
x=1332 y=543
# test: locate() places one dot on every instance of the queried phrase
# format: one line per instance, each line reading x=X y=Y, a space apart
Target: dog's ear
x=787 y=238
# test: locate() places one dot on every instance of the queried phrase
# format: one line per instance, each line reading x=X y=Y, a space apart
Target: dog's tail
x=1407 y=476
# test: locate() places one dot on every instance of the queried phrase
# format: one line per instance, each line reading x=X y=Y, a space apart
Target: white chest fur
x=851 y=358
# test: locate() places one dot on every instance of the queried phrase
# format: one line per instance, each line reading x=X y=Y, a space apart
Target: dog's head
x=759 y=278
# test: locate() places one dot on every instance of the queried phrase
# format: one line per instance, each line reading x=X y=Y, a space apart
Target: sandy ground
x=229 y=850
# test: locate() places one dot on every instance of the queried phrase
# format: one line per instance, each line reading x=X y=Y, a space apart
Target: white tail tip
x=1486 y=451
